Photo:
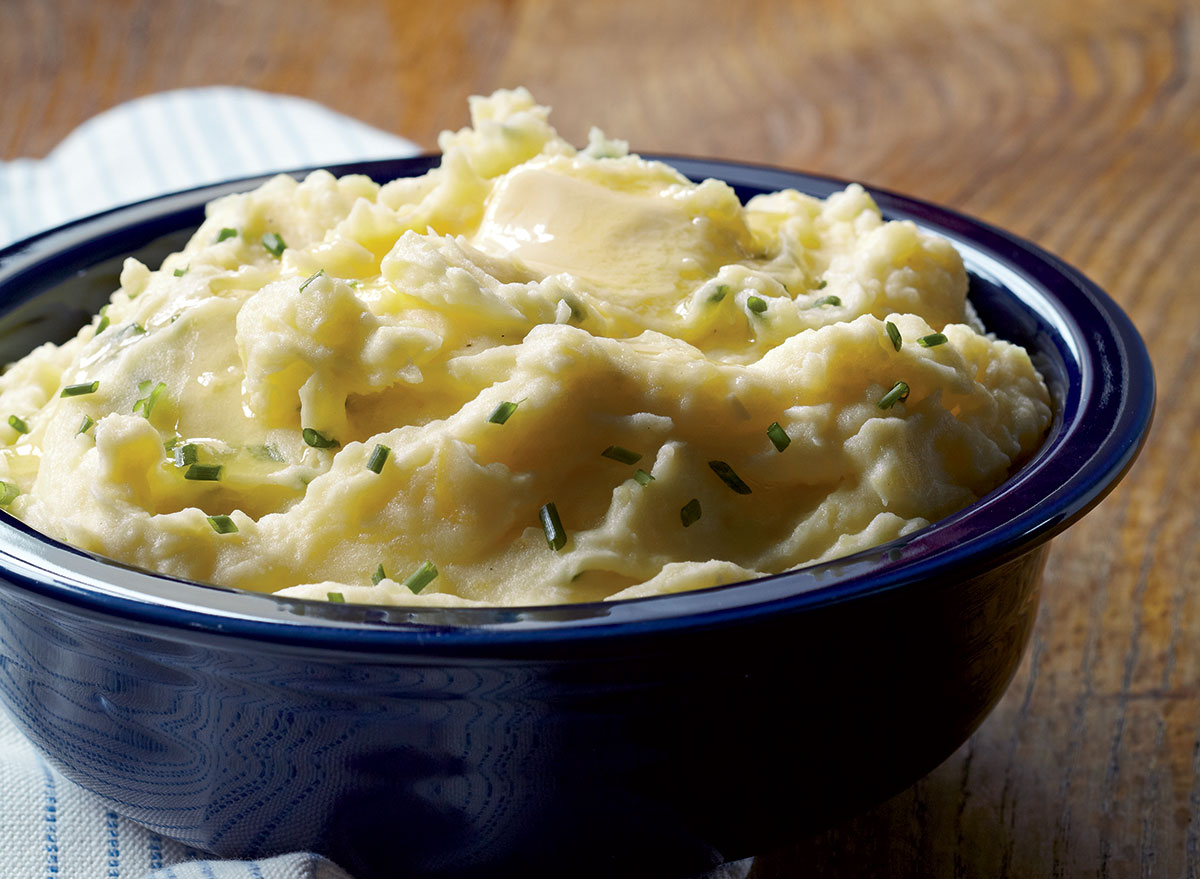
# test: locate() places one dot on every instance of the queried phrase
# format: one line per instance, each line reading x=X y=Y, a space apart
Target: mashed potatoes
x=534 y=375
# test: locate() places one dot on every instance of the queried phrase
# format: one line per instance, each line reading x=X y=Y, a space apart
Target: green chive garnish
x=223 y=524
x=719 y=294
x=85 y=425
x=622 y=454
x=336 y=597
x=421 y=577
x=318 y=440
x=179 y=273
x=932 y=340
x=18 y=424
x=501 y=413
x=134 y=329
x=690 y=512
x=577 y=312
x=104 y=321
x=827 y=300
x=227 y=232
x=643 y=478
x=822 y=284
x=80 y=389
x=556 y=536
x=8 y=493
x=756 y=304
x=266 y=452
x=203 y=472
x=311 y=278
x=379 y=574
x=185 y=455
x=152 y=392
x=379 y=456
x=729 y=477
x=274 y=244
x=898 y=393
x=778 y=436
x=893 y=332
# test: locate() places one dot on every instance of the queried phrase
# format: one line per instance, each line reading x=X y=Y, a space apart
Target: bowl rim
x=1102 y=422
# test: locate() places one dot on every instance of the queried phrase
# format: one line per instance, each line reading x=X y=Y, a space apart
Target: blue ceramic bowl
x=663 y=735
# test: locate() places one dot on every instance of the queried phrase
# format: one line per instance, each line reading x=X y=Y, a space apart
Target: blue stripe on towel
x=156 y=851
x=114 y=845
x=51 y=824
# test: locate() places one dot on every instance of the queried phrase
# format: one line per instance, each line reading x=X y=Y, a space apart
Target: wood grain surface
x=1074 y=124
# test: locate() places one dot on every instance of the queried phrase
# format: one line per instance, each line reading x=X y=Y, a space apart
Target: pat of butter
x=637 y=246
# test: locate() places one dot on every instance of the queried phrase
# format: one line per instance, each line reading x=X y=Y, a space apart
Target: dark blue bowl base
x=668 y=758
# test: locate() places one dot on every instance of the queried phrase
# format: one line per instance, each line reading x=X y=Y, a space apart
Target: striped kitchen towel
x=177 y=140
x=51 y=828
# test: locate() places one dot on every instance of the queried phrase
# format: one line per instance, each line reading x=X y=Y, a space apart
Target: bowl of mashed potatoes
x=530 y=507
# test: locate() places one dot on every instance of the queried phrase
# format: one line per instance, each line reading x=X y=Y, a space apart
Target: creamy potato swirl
x=533 y=375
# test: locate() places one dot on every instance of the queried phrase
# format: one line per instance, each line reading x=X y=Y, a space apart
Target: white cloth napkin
x=51 y=828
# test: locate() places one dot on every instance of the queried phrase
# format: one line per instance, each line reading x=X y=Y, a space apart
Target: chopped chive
x=8 y=493
x=822 y=284
x=898 y=393
x=827 y=300
x=690 y=512
x=756 y=304
x=85 y=425
x=729 y=477
x=379 y=575
x=622 y=454
x=18 y=424
x=133 y=329
x=932 y=340
x=336 y=597
x=421 y=577
x=203 y=472
x=778 y=436
x=80 y=390
x=179 y=273
x=893 y=332
x=379 y=456
x=266 y=452
x=311 y=278
x=152 y=392
x=223 y=524
x=577 y=312
x=274 y=244
x=556 y=536
x=227 y=232
x=719 y=294
x=502 y=412
x=318 y=440
x=186 y=455
x=643 y=478
x=172 y=443
x=104 y=321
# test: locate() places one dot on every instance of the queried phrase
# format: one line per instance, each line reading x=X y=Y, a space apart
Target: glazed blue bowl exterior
x=659 y=736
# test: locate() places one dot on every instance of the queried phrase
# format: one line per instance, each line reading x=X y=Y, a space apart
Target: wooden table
x=1079 y=130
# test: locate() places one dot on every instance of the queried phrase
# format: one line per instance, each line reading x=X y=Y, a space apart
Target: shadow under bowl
x=659 y=736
